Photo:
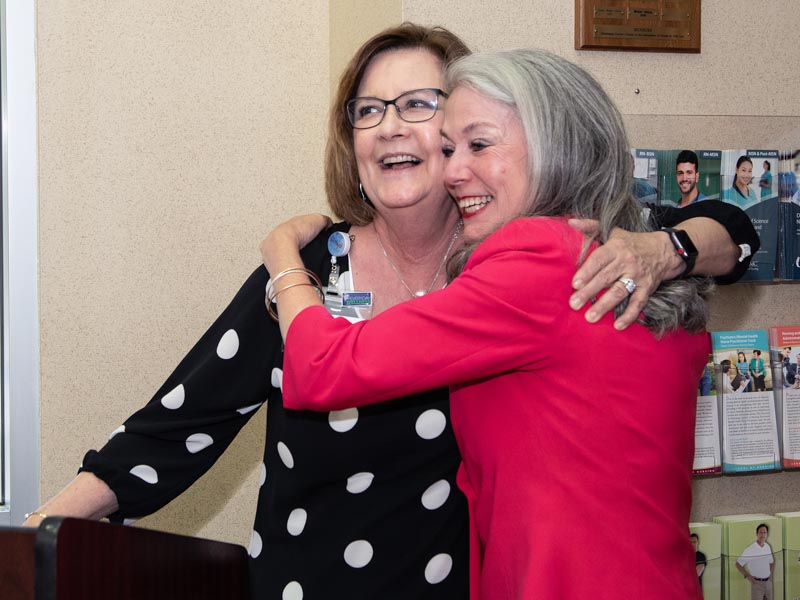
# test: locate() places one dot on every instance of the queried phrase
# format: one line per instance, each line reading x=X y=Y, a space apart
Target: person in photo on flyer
x=758 y=372
x=744 y=369
x=687 y=175
x=757 y=565
x=731 y=380
x=740 y=192
x=765 y=182
x=700 y=562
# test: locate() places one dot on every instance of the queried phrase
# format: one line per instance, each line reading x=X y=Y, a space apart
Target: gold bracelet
x=271 y=285
x=35 y=512
x=270 y=305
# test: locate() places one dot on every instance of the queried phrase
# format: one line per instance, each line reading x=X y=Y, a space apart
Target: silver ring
x=630 y=284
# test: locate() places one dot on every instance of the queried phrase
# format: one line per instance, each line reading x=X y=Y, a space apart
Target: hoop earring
x=364 y=196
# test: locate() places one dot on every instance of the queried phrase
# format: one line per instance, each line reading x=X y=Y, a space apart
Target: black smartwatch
x=684 y=247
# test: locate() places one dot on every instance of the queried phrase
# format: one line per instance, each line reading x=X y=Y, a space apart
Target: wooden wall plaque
x=643 y=25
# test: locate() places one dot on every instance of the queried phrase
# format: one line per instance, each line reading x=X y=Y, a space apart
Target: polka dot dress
x=357 y=503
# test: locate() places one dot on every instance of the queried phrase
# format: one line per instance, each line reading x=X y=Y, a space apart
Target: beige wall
x=172 y=135
x=745 y=45
x=352 y=22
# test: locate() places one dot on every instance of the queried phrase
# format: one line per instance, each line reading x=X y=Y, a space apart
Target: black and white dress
x=360 y=503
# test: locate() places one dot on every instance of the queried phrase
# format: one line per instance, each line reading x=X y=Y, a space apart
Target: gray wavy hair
x=578 y=160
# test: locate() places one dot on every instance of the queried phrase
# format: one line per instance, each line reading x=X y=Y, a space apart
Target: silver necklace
x=419 y=293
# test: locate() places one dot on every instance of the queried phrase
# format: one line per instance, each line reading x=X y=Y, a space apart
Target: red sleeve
x=499 y=315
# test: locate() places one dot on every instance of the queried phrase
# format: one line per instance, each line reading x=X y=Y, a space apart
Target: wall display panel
x=740 y=306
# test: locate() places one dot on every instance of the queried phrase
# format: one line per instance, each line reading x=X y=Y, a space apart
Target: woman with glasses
x=356 y=503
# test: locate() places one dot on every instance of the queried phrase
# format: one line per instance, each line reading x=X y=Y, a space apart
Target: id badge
x=354 y=306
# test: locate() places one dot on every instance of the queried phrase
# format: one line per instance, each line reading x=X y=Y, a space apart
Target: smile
x=472 y=204
x=399 y=161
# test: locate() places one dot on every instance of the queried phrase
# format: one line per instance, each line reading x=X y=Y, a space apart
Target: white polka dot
x=145 y=473
x=359 y=482
x=174 y=399
x=277 y=378
x=292 y=591
x=438 y=568
x=286 y=455
x=228 y=345
x=128 y=521
x=120 y=429
x=246 y=409
x=343 y=420
x=255 y=545
x=296 y=522
x=262 y=477
x=197 y=442
x=436 y=495
x=431 y=424
x=358 y=554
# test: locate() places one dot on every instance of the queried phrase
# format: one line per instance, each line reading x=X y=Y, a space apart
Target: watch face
x=684 y=247
x=686 y=244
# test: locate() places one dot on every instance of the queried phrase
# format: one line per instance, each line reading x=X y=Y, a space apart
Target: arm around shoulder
x=722 y=233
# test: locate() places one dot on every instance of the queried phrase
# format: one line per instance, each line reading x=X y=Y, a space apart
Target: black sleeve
x=168 y=444
x=731 y=217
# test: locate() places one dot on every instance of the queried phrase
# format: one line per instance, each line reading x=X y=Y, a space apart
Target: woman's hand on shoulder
x=294 y=234
x=646 y=258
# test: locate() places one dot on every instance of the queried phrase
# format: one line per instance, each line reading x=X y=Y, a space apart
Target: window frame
x=20 y=325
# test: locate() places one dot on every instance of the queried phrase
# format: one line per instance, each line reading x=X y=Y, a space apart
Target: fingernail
x=576 y=283
x=591 y=316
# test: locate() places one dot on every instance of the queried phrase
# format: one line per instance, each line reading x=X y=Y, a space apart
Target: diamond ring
x=630 y=284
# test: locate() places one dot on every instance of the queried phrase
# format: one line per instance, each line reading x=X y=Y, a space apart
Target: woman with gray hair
x=553 y=470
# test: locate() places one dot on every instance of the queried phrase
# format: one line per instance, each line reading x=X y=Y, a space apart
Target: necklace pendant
x=418 y=293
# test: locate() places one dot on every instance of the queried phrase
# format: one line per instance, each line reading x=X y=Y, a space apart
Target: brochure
x=744 y=387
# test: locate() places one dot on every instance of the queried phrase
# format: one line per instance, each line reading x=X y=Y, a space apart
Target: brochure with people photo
x=752 y=549
x=784 y=348
x=707 y=451
x=789 y=209
x=706 y=539
x=746 y=180
x=744 y=386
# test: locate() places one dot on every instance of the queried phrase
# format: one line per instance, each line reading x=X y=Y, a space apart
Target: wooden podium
x=75 y=559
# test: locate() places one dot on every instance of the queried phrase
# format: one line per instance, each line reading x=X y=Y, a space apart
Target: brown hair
x=341 y=172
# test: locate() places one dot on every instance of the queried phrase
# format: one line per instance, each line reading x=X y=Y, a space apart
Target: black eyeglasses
x=414 y=106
